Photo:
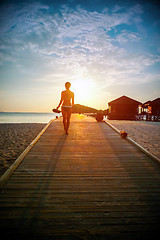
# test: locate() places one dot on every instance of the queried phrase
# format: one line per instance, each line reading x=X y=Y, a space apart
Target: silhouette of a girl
x=67 y=101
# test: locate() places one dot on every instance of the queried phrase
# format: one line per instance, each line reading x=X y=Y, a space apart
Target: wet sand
x=147 y=134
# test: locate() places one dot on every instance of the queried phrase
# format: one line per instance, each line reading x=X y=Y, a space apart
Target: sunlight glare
x=83 y=89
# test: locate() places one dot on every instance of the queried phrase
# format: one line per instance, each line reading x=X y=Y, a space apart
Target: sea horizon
x=27 y=117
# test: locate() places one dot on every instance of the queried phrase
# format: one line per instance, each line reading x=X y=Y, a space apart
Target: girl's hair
x=67 y=85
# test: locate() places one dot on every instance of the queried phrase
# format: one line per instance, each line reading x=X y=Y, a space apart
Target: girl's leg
x=64 y=119
x=68 y=120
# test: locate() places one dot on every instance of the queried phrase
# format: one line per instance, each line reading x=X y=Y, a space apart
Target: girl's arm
x=73 y=100
x=60 y=102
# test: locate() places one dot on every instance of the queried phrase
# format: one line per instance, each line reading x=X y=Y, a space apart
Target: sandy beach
x=14 y=138
x=147 y=134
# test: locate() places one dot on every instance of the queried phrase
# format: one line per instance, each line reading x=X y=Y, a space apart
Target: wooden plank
x=90 y=184
x=12 y=168
x=155 y=158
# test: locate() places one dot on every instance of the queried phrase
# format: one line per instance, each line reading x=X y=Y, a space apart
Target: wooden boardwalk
x=90 y=184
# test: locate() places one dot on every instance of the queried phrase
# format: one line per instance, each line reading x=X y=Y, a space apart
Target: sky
x=105 y=48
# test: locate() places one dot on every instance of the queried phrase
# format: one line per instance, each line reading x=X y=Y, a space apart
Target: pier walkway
x=89 y=184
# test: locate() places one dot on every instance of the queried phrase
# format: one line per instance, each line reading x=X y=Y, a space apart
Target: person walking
x=67 y=102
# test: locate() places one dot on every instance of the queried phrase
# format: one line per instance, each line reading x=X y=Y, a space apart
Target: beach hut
x=151 y=110
x=123 y=108
x=155 y=108
x=146 y=107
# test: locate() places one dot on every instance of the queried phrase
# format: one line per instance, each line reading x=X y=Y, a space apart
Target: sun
x=83 y=89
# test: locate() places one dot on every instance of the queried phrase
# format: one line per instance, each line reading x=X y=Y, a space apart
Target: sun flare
x=83 y=89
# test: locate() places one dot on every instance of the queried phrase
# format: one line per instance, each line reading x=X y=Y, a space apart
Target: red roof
x=124 y=100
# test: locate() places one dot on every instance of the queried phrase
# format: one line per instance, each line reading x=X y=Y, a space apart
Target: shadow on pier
x=90 y=184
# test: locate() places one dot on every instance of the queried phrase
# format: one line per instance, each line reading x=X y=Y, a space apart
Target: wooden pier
x=89 y=184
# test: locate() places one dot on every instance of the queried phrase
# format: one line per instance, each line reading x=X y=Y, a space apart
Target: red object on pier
x=124 y=134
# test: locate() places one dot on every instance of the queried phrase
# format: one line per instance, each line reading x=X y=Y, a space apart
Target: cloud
x=54 y=46
x=126 y=36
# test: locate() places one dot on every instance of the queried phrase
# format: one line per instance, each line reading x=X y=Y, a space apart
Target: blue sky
x=110 y=48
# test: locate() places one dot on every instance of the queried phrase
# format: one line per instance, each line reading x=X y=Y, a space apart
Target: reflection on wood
x=90 y=184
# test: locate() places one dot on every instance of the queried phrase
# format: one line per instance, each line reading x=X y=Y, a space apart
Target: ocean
x=13 y=117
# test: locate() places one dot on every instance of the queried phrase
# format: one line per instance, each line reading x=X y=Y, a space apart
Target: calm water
x=9 y=117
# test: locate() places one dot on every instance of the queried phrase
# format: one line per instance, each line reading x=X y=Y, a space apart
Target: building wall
x=156 y=109
x=123 y=111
